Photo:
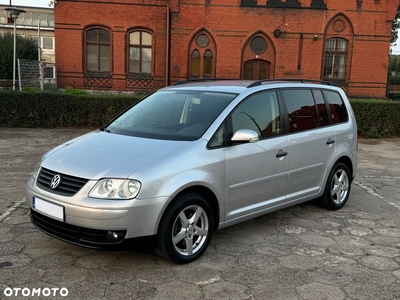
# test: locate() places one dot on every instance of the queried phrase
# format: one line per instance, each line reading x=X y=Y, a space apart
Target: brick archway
x=258 y=57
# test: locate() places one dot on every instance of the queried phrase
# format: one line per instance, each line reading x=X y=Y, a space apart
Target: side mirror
x=245 y=136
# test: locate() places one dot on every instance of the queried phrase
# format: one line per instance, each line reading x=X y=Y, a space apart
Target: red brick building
x=141 y=45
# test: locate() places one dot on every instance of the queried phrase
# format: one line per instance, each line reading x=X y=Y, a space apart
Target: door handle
x=330 y=141
x=281 y=153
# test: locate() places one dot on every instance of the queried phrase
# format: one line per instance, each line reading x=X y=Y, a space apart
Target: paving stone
x=178 y=290
x=226 y=290
x=131 y=290
x=95 y=260
x=11 y=247
x=317 y=240
x=317 y=291
x=379 y=263
x=371 y=292
x=302 y=252
x=19 y=276
x=299 y=262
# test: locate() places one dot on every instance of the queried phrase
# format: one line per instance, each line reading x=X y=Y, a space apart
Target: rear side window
x=302 y=113
x=323 y=115
x=337 y=108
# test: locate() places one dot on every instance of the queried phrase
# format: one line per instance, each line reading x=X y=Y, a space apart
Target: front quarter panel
x=192 y=165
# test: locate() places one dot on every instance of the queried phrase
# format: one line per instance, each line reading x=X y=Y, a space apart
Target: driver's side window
x=258 y=112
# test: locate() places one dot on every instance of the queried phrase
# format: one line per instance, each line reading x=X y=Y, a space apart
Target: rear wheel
x=337 y=189
x=185 y=229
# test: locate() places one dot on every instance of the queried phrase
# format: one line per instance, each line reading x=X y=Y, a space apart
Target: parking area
x=303 y=252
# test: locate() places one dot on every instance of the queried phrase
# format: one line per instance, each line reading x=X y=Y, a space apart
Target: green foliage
x=394 y=63
x=25 y=49
x=395 y=26
x=394 y=80
x=73 y=91
x=31 y=89
x=49 y=110
x=394 y=96
x=377 y=118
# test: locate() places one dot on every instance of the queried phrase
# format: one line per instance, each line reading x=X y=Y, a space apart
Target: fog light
x=112 y=236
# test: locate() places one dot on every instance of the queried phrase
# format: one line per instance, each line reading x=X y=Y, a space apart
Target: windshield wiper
x=105 y=130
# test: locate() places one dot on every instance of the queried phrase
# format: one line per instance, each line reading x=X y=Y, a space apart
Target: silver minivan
x=196 y=157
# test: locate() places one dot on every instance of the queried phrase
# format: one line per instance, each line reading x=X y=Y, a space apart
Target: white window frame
x=41 y=43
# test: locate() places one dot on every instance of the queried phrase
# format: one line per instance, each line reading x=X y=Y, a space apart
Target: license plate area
x=52 y=210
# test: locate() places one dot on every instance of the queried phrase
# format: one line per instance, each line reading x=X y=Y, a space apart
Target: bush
x=73 y=91
x=394 y=80
x=48 y=110
x=394 y=96
x=377 y=118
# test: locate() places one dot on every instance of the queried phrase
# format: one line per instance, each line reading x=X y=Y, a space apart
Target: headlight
x=115 y=189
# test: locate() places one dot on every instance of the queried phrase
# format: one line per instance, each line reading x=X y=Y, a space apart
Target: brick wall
x=295 y=39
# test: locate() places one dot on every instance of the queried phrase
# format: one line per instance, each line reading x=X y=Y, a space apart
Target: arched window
x=258 y=57
x=207 y=64
x=140 y=52
x=335 y=59
x=98 y=50
x=201 y=58
x=201 y=67
x=195 y=64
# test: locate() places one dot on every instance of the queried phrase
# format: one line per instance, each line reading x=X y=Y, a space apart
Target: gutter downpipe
x=167 y=48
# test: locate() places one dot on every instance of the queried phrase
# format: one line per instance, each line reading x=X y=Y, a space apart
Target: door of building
x=256 y=69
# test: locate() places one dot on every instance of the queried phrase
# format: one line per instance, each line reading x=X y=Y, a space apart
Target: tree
x=395 y=26
x=394 y=64
x=25 y=49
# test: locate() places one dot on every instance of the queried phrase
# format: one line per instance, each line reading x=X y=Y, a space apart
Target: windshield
x=172 y=115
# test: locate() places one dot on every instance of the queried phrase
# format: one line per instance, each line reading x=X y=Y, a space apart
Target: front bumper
x=88 y=221
x=92 y=238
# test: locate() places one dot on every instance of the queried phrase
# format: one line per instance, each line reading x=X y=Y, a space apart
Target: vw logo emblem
x=55 y=181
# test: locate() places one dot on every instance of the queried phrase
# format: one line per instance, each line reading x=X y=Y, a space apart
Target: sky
x=396 y=49
x=35 y=3
x=44 y=3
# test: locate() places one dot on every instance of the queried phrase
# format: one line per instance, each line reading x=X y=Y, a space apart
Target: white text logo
x=27 y=292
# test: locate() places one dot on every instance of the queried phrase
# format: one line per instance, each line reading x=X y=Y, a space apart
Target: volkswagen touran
x=196 y=157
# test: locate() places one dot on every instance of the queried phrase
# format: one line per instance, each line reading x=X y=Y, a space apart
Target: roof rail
x=259 y=82
x=184 y=81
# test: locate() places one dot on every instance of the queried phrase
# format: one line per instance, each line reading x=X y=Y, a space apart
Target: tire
x=337 y=188
x=185 y=229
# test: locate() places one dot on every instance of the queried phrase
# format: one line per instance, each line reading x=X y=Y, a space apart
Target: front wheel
x=185 y=229
x=337 y=189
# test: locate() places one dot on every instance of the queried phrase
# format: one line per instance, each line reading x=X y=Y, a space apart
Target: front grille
x=92 y=238
x=69 y=185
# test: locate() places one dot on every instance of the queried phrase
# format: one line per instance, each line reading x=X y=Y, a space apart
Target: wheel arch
x=208 y=194
x=342 y=187
x=347 y=161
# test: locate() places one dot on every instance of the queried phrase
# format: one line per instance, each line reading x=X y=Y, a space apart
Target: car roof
x=238 y=85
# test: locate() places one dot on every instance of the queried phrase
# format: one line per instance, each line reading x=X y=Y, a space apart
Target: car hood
x=100 y=154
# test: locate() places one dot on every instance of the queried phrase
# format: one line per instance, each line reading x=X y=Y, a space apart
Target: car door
x=256 y=173
x=311 y=143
